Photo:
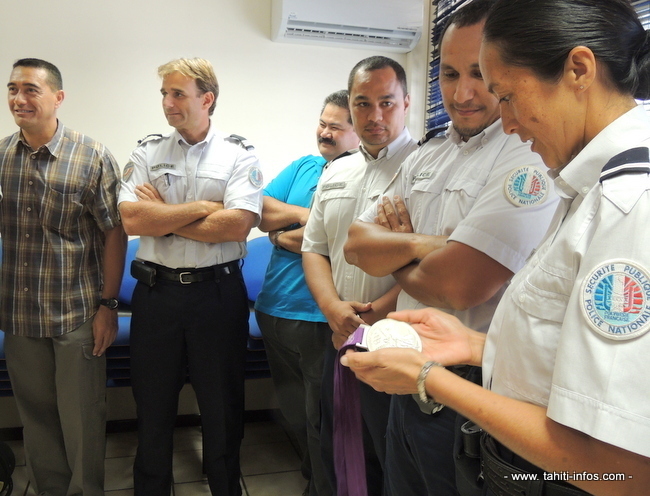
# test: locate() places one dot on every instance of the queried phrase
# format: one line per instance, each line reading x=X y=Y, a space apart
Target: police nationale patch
x=616 y=299
x=255 y=177
x=128 y=170
x=526 y=185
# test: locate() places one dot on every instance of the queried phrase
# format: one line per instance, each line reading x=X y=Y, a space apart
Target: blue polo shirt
x=284 y=293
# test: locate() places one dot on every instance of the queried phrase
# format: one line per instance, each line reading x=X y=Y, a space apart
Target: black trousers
x=202 y=327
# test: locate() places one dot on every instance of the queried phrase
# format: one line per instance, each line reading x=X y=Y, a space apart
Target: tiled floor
x=270 y=465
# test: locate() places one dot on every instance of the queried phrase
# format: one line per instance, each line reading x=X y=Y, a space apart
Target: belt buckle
x=180 y=277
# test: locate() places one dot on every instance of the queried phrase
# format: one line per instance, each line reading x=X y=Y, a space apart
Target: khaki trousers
x=60 y=391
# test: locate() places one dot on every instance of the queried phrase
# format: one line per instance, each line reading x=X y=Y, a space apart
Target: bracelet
x=422 y=390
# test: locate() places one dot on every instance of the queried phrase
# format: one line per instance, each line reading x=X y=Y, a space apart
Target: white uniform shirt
x=458 y=189
x=347 y=187
x=545 y=345
x=214 y=169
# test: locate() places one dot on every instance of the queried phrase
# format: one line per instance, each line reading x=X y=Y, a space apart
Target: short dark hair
x=468 y=15
x=378 y=62
x=540 y=34
x=54 y=79
x=339 y=99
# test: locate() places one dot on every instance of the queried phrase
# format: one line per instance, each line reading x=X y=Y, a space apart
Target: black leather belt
x=188 y=276
x=498 y=475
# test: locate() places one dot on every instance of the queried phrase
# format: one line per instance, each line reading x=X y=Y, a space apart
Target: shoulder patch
x=241 y=141
x=632 y=160
x=616 y=299
x=128 y=171
x=526 y=186
x=255 y=176
x=149 y=137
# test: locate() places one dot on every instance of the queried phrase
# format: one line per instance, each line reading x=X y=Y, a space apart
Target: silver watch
x=422 y=390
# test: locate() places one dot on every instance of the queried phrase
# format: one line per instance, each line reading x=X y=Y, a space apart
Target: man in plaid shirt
x=62 y=265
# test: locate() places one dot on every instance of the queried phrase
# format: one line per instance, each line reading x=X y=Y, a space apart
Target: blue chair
x=255 y=263
x=118 y=367
x=128 y=282
x=253 y=271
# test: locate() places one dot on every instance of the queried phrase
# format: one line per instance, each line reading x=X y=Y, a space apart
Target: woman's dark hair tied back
x=642 y=60
x=540 y=34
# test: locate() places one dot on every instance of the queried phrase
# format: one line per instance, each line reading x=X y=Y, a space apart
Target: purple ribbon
x=349 y=460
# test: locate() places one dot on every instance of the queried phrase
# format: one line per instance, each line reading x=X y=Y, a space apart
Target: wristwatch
x=276 y=235
x=422 y=390
x=111 y=303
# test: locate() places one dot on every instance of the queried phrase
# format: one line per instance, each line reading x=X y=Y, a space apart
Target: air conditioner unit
x=393 y=25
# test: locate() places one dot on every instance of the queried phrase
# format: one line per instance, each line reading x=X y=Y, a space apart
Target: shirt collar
x=475 y=142
x=391 y=148
x=178 y=138
x=580 y=175
x=53 y=146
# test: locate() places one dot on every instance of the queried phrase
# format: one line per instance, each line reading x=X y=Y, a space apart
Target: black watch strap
x=111 y=303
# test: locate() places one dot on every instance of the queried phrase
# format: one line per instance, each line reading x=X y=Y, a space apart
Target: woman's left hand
x=390 y=370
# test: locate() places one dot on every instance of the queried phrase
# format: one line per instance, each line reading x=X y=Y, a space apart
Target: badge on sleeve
x=128 y=170
x=616 y=299
x=255 y=177
x=526 y=186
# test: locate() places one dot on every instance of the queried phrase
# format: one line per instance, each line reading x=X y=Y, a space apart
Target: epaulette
x=149 y=137
x=241 y=141
x=431 y=134
x=345 y=154
x=632 y=160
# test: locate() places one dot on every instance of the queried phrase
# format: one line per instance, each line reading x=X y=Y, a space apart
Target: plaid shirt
x=57 y=202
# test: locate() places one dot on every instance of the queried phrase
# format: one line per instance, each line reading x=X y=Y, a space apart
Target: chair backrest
x=128 y=282
x=255 y=263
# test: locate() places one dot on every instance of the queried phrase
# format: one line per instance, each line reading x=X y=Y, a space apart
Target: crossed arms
x=429 y=268
x=200 y=220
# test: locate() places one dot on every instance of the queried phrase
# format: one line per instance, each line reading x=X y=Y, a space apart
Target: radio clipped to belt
x=143 y=273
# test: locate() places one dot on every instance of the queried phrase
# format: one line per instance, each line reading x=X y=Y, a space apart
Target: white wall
x=108 y=52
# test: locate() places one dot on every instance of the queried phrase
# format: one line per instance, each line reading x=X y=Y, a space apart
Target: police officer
x=193 y=197
x=346 y=295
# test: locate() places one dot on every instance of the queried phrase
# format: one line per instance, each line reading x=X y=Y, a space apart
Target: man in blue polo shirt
x=294 y=329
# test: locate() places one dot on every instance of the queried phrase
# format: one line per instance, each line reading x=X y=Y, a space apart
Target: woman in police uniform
x=565 y=362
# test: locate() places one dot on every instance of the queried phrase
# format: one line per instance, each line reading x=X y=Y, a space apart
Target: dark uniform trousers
x=202 y=327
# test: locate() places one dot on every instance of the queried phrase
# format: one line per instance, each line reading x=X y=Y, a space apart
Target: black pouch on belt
x=469 y=476
x=467 y=459
x=144 y=273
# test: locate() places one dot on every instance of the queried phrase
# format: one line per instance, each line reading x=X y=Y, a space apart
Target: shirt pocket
x=171 y=184
x=60 y=211
x=545 y=293
x=458 y=200
x=424 y=208
x=58 y=199
x=211 y=183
